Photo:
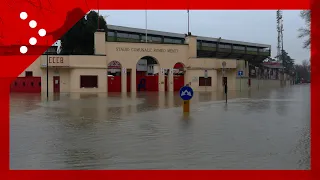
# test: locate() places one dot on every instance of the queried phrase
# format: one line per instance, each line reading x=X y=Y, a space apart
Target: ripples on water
x=255 y=130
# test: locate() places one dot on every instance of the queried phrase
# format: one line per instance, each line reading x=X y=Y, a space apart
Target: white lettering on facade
x=158 y=50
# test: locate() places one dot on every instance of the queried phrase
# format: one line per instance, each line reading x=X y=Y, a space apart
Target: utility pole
x=279 y=28
x=280 y=50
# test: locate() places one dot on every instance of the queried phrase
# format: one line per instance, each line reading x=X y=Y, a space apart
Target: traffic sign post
x=186 y=94
x=205 y=79
x=240 y=74
x=225 y=83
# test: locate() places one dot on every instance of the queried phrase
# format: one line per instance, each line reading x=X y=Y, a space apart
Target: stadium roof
x=178 y=35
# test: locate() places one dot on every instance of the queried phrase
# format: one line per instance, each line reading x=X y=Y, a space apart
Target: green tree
x=305 y=32
x=80 y=38
x=288 y=62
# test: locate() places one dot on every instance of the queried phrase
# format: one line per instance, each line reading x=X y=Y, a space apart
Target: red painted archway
x=114 y=76
x=178 y=76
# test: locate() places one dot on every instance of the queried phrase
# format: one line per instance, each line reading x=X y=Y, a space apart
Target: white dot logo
x=23 y=15
x=23 y=49
x=33 y=24
x=32 y=41
x=42 y=32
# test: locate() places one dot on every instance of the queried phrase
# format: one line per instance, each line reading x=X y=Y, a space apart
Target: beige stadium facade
x=69 y=68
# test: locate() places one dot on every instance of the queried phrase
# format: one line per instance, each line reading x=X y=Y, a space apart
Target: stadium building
x=130 y=61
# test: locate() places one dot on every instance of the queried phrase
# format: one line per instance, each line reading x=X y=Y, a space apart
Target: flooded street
x=255 y=130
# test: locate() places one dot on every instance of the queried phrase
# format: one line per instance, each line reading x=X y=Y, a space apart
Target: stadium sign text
x=160 y=50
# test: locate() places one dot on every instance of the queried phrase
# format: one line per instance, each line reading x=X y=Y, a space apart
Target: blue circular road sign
x=186 y=93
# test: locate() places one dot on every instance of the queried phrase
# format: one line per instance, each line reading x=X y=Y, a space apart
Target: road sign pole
x=205 y=79
x=240 y=83
x=226 y=94
x=225 y=79
x=240 y=74
x=186 y=106
x=186 y=94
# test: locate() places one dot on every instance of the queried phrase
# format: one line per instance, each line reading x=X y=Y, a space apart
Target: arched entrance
x=147 y=74
x=114 y=76
x=178 y=76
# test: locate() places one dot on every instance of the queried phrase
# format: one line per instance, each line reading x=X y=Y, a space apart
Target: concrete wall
x=75 y=80
x=69 y=71
x=64 y=79
x=242 y=84
x=34 y=67
x=128 y=54
x=231 y=76
x=192 y=77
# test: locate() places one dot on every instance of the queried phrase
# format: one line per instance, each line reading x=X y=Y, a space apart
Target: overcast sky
x=250 y=26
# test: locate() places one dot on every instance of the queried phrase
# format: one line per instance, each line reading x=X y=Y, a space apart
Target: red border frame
x=16 y=64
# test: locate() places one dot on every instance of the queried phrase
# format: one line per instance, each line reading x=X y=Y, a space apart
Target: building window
x=251 y=49
x=29 y=73
x=177 y=41
x=264 y=50
x=134 y=36
x=198 y=44
x=111 y=36
x=143 y=38
x=152 y=38
x=226 y=46
x=167 y=40
x=204 y=81
x=110 y=33
x=88 y=81
x=208 y=44
x=237 y=47
x=123 y=35
x=172 y=40
x=156 y=39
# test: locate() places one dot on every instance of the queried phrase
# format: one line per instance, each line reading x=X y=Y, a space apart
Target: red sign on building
x=114 y=65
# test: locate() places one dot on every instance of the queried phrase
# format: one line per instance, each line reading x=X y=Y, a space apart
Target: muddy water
x=255 y=130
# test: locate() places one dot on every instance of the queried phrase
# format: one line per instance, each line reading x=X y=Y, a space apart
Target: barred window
x=204 y=81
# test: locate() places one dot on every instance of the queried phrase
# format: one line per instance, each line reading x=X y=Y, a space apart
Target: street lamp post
x=47 y=75
x=225 y=83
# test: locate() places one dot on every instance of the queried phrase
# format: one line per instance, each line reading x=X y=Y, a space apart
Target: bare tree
x=305 y=32
x=305 y=63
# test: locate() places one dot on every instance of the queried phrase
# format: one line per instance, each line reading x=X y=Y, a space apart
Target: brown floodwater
x=267 y=129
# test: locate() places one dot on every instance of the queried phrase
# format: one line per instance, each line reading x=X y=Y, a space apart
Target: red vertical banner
x=315 y=87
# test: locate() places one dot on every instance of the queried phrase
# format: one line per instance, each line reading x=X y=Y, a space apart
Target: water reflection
x=254 y=130
x=81 y=158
